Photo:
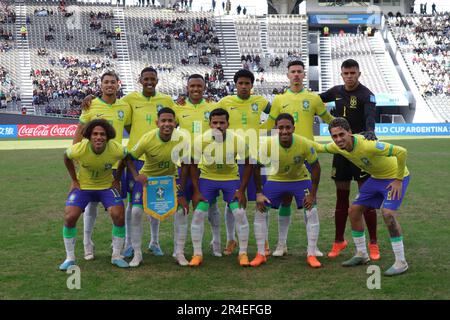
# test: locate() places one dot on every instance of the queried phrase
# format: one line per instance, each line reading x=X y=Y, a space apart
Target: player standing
x=356 y=103
x=288 y=152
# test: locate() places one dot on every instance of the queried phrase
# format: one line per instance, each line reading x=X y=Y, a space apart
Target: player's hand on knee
x=261 y=201
x=396 y=189
x=308 y=202
x=239 y=195
x=182 y=202
x=369 y=135
x=116 y=185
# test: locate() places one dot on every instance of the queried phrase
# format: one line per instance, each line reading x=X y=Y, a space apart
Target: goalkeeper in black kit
x=356 y=103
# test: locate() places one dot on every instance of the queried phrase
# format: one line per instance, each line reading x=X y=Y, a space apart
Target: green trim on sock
x=357 y=234
x=138 y=206
x=284 y=211
x=202 y=206
x=118 y=232
x=397 y=239
x=233 y=205
x=69 y=232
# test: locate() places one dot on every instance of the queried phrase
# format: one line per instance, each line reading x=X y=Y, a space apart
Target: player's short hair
x=339 y=123
x=149 y=69
x=350 y=63
x=243 y=73
x=111 y=74
x=296 y=63
x=219 y=112
x=285 y=116
x=196 y=76
x=166 y=110
x=110 y=132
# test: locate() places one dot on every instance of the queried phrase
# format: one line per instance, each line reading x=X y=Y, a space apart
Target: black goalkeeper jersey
x=357 y=106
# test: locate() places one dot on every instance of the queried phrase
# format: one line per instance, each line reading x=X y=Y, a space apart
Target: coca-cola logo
x=46 y=130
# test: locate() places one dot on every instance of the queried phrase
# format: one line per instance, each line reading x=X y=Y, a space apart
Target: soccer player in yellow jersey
x=118 y=114
x=216 y=152
x=385 y=189
x=94 y=182
x=193 y=118
x=303 y=105
x=161 y=148
x=299 y=102
x=245 y=112
x=144 y=113
x=285 y=155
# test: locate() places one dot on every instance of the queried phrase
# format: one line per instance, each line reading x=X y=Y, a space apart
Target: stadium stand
x=425 y=43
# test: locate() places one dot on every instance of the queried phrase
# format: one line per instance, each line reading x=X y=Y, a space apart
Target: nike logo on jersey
x=185 y=116
x=284 y=106
x=232 y=108
x=99 y=115
x=338 y=98
x=138 y=107
x=153 y=155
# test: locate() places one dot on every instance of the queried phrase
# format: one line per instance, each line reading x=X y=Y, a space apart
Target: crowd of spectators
x=8 y=90
x=426 y=40
x=7 y=14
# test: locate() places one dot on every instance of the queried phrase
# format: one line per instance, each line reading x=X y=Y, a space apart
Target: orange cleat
x=313 y=262
x=196 y=261
x=337 y=248
x=243 y=260
x=266 y=249
x=259 y=260
x=374 y=251
x=231 y=245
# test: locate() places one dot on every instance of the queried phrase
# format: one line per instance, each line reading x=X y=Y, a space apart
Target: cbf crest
x=120 y=114
x=206 y=115
x=160 y=199
x=353 y=102
x=365 y=161
x=255 y=107
x=159 y=107
x=108 y=166
x=297 y=159
x=306 y=105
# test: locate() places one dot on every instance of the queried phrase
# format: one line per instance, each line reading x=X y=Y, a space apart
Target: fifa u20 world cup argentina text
x=251 y=145
x=227 y=310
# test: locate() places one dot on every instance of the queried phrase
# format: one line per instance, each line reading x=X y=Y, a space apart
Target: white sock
x=154 y=228
x=136 y=228
x=197 y=229
x=242 y=228
x=117 y=246
x=89 y=216
x=360 y=243
x=214 y=221
x=312 y=230
x=260 y=226
x=128 y=225
x=283 y=228
x=399 y=250
x=229 y=220
x=180 y=223
x=69 y=243
x=267 y=226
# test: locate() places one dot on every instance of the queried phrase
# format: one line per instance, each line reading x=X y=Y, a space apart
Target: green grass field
x=34 y=185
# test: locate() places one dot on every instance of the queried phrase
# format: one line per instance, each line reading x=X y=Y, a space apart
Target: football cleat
x=243 y=260
x=181 y=260
x=155 y=249
x=66 y=264
x=313 y=262
x=356 y=261
x=128 y=252
x=397 y=268
x=215 y=247
x=119 y=263
x=374 y=251
x=337 y=248
x=280 y=251
x=259 y=260
x=231 y=245
x=196 y=261
x=89 y=251
x=137 y=259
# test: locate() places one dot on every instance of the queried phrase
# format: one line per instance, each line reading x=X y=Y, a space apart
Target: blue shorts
x=276 y=190
x=189 y=189
x=108 y=197
x=128 y=182
x=210 y=189
x=373 y=194
x=251 y=187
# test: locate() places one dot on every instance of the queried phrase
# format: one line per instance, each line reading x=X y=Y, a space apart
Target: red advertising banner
x=46 y=130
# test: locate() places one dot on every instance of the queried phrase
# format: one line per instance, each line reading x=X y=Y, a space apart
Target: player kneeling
x=94 y=182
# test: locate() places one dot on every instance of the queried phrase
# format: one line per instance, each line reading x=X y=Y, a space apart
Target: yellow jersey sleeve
x=74 y=151
x=321 y=110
